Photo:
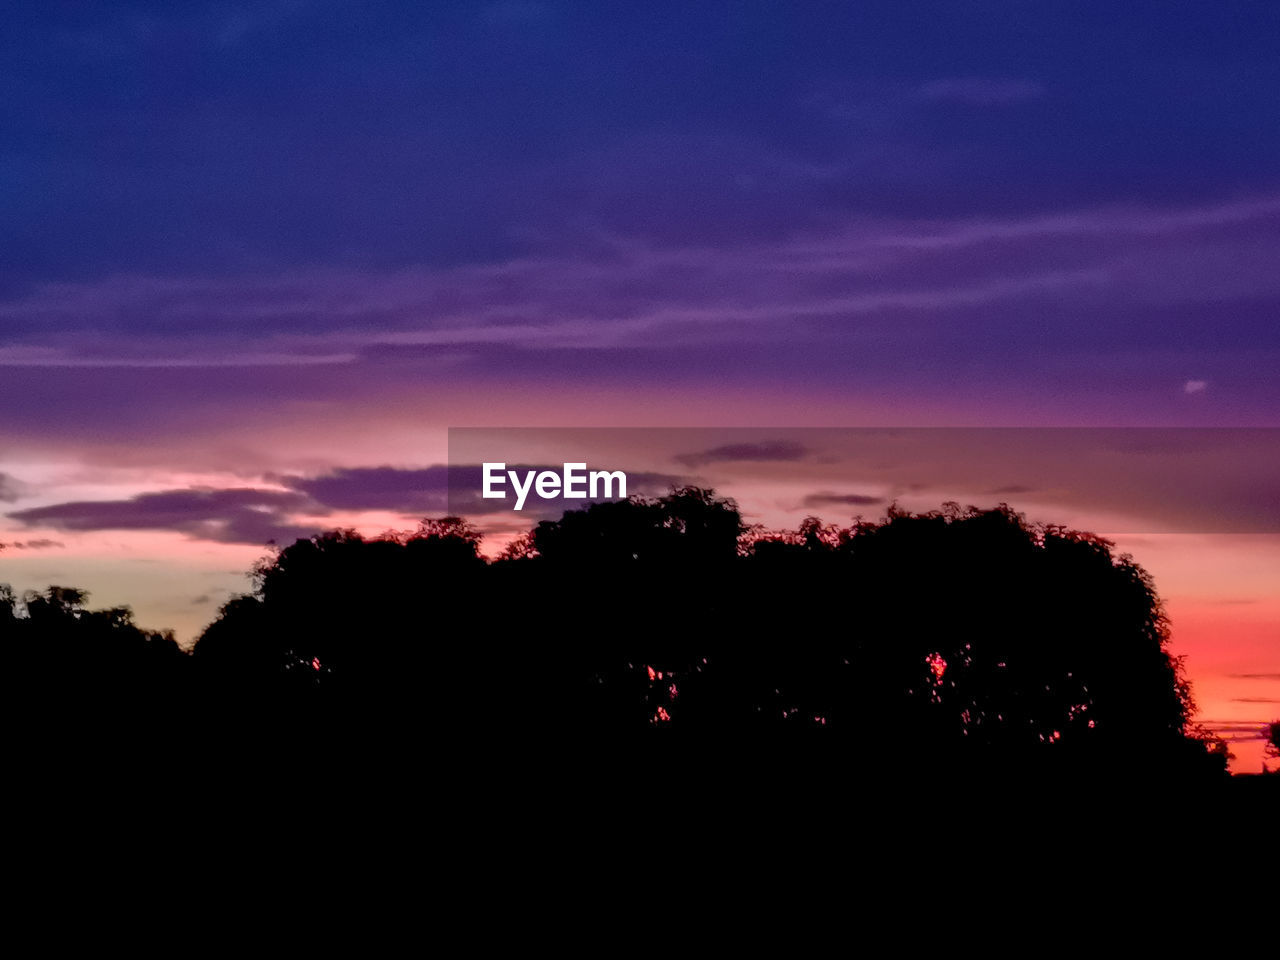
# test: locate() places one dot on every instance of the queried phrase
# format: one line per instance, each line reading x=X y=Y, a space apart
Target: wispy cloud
x=55 y=357
x=241 y=515
x=1237 y=730
x=770 y=451
x=826 y=498
x=292 y=507
x=863 y=284
x=38 y=544
x=9 y=488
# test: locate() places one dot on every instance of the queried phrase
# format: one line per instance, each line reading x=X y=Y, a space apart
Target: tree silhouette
x=71 y=671
x=957 y=636
x=352 y=633
x=961 y=632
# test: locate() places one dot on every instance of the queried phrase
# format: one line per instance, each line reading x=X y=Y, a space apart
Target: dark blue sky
x=982 y=212
x=181 y=138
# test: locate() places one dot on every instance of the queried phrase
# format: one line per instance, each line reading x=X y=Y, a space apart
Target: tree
x=958 y=635
x=341 y=624
x=964 y=632
x=84 y=672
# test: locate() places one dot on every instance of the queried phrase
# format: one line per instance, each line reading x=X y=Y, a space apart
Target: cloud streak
x=826 y=498
x=860 y=283
x=9 y=488
x=39 y=544
x=768 y=451
x=240 y=515
x=256 y=515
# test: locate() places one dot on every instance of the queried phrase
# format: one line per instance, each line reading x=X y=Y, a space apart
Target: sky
x=250 y=250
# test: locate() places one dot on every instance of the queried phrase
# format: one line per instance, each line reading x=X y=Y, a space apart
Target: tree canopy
x=957 y=635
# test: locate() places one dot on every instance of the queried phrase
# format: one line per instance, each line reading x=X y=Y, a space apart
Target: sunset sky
x=257 y=258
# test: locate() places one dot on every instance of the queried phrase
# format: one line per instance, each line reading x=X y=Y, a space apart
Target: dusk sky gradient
x=253 y=249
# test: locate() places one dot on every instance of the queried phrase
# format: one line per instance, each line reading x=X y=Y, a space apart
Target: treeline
x=959 y=635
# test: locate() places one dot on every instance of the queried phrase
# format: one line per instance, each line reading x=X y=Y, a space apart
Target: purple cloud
x=419 y=491
x=1050 y=314
x=250 y=515
x=8 y=488
x=39 y=544
x=828 y=499
x=874 y=278
x=769 y=451
x=240 y=515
